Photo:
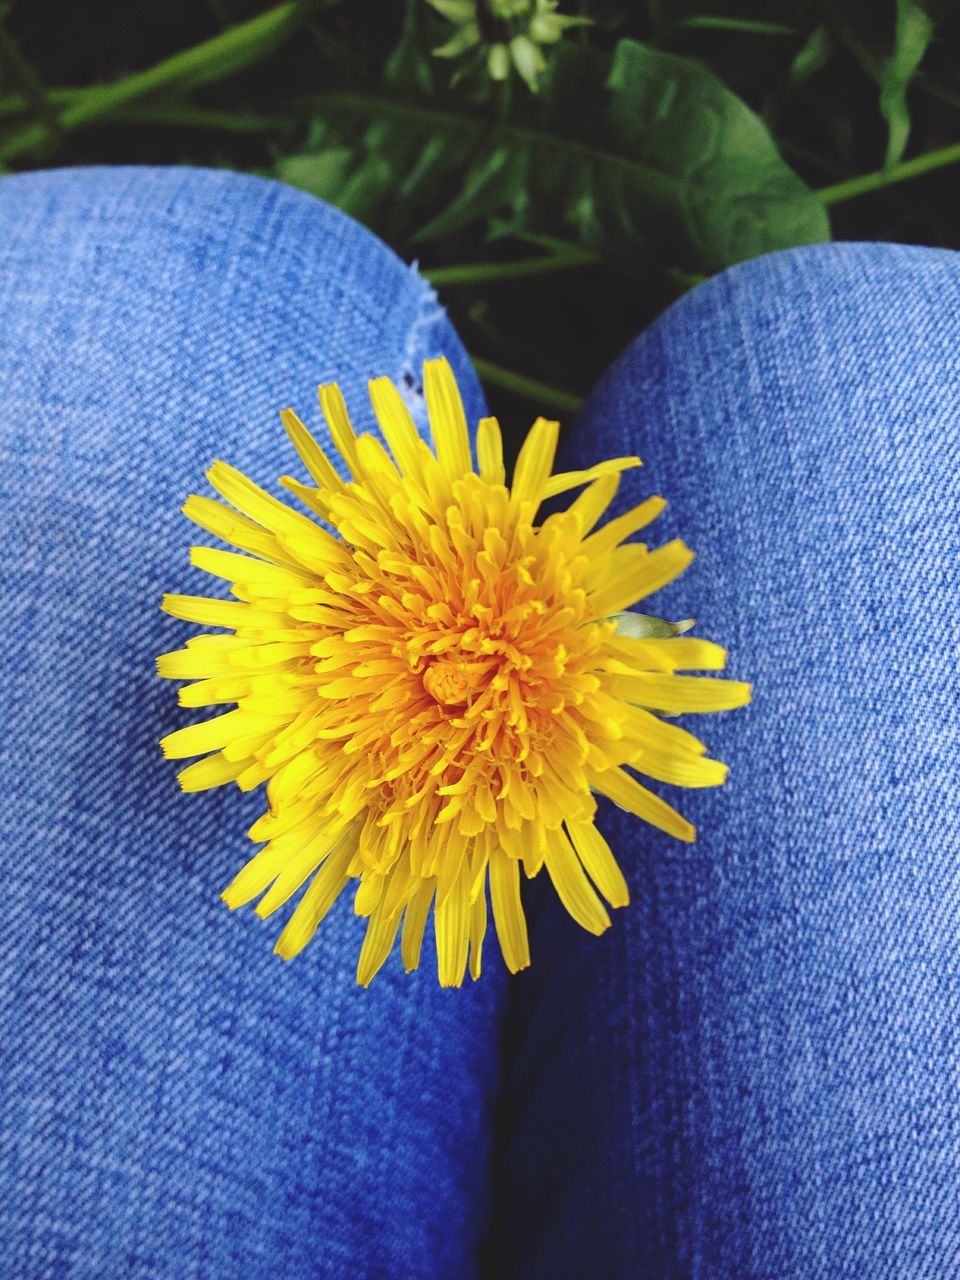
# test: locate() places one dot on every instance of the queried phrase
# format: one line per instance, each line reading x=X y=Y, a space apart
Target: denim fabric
x=755 y=1073
x=175 y=1101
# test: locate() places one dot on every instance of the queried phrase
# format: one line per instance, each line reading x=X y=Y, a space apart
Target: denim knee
x=176 y=1101
x=758 y=1065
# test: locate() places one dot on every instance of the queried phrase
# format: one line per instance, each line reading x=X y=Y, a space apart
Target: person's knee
x=209 y=284
x=811 y=346
x=803 y=395
x=151 y=321
x=772 y=1004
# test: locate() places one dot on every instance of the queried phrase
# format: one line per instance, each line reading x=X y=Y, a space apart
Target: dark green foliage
x=667 y=140
x=634 y=153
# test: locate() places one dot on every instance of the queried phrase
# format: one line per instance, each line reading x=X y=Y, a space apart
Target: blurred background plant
x=561 y=169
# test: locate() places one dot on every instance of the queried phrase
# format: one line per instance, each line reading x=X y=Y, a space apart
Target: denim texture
x=755 y=1073
x=175 y=1101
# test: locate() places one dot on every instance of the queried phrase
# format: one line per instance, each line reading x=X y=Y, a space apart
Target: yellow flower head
x=434 y=697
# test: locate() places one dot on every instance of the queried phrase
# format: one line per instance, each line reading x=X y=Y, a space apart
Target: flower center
x=447 y=682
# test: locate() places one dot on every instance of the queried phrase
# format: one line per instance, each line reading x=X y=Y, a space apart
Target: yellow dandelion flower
x=435 y=697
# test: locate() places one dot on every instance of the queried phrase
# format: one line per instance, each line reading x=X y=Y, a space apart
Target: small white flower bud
x=498 y=62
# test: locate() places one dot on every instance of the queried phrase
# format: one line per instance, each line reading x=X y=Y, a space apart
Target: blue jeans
x=755 y=1072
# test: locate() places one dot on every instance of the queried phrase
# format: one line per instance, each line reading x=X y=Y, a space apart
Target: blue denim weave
x=175 y=1101
x=755 y=1073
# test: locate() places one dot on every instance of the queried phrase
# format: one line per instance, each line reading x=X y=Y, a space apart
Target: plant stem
x=539 y=240
x=34 y=90
x=17 y=103
x=881 y=178
x=540 y=392
x=183 y=115
x=211 y=60
x=745 y=26
x=470 y=126
x=489 y=272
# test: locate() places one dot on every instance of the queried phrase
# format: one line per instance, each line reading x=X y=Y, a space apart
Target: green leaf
x=323 y=173
x=410 y=66
x=635 y=154
x=497 y=182
x=815 y=53
x=912 y=36
x=405 y=157
x=716 y=183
